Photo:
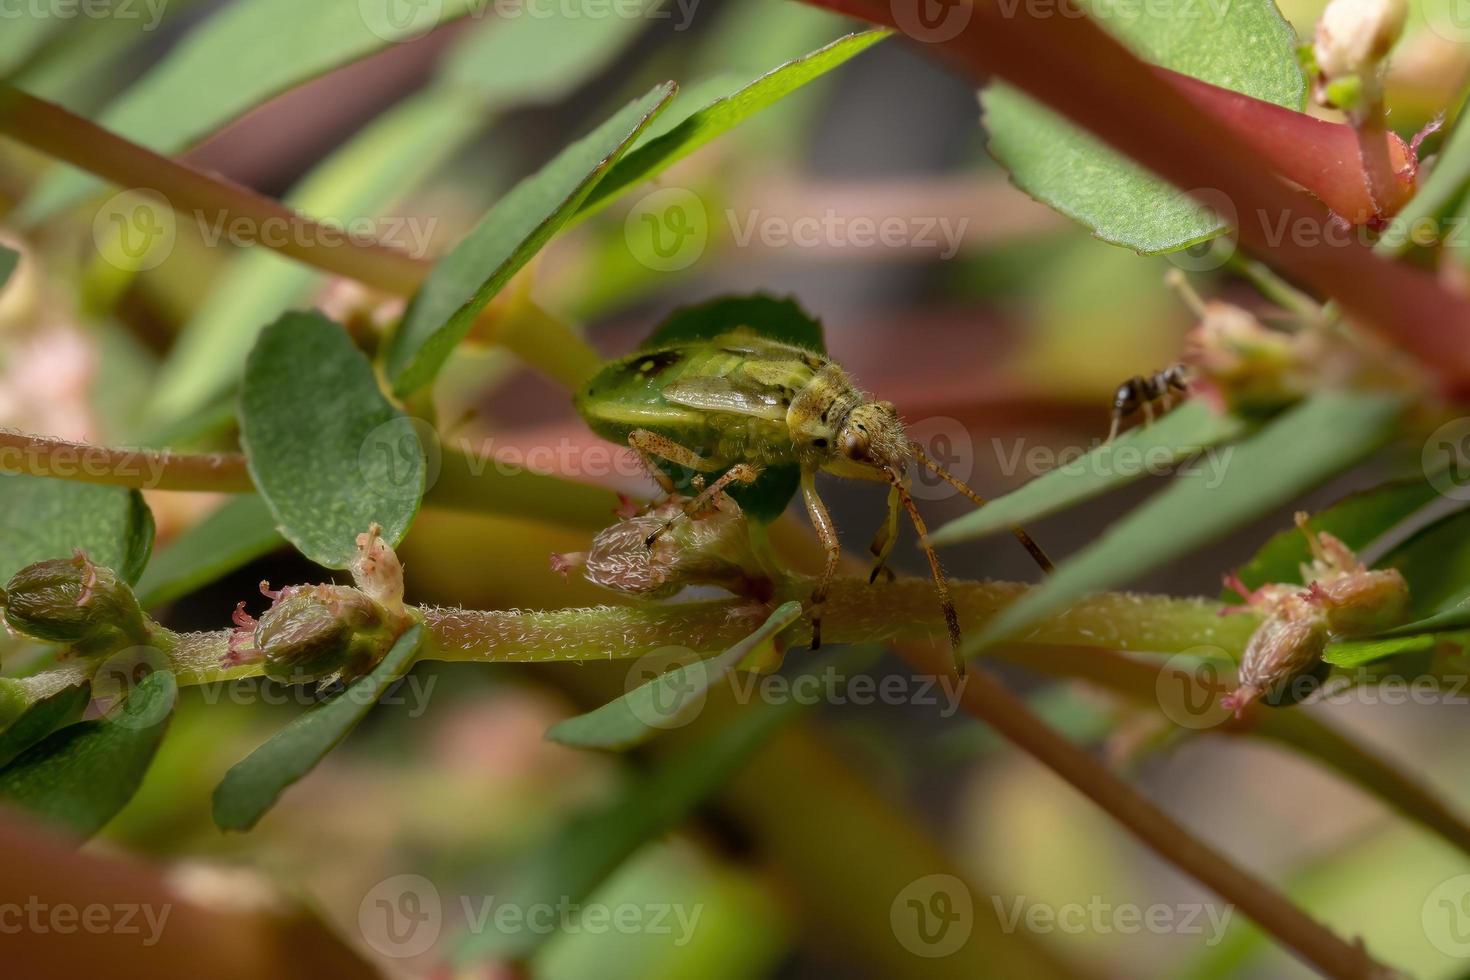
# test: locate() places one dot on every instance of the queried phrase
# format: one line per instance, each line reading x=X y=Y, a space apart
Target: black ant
x=1140 y=392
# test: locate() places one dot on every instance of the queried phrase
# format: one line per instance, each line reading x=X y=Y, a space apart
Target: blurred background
x=998 y=328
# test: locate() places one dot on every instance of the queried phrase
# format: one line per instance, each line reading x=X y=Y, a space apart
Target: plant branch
x=1070 y=64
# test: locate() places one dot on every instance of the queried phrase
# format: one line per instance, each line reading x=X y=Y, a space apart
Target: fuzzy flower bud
x=1242 y=365
x=320 y=632
x=377 y=572
x=1286 y=646
x=711 y=548
x=1354 y=36
x=73 y=601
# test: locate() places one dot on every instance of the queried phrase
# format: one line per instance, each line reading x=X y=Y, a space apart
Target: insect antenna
x=1027 y=542
x=941 y=584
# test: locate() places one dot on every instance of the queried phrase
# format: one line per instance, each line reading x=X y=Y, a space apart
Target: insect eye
x=820 y=443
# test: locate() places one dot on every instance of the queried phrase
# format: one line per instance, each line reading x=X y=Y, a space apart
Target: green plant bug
x=713 y=395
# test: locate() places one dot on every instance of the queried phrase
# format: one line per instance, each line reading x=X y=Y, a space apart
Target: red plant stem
x=207 y=198
x=1066 y=61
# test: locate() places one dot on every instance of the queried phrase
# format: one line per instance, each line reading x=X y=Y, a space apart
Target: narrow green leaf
x=1435 y=561
x=1361 y=653
x=247 y=53
x=1357 y=521
x=1297 y=451
x=9 y=260
x=724 y=114
x=1245 y=46
x=81 y=776
x=238 y=533
x=1187 y=431
x=669 y=700
x=43 y=518
x=32 y=719
x=593 y=845
x=253 y=785
x=514 y=230
x=328 y=452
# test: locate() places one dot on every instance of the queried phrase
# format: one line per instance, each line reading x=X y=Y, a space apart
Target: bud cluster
x=324 y=633
x=1343 y=598
x=657 y=552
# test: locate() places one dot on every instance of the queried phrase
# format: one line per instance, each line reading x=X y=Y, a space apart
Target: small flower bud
x=1244 y=366
x=1286 y=646
x=711 y=548
x=317 y=633
x=73 y=601
x=377 y=572
x=1354 y=36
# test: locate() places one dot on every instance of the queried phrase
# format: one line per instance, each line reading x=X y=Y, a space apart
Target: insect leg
x=1027 y=542
x=739 y=473
x=650 y=446
x=827 y=534
x=941 y=584
x=882 y=545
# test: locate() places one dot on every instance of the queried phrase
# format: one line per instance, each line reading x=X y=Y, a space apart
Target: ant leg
x=827 y=534
x=882 y=545
x=739 y=473
x=1148 y=414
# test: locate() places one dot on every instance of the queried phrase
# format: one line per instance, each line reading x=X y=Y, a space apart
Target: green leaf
x=668 y=701
x=724 y=114
x=1245 y=46
x=1360 y=653
x=253 y=785
x=9 y=260
x=328 y=452
x=769 y=316
x=43 y=518
x=514 y=230
x=81 y=776
x=1188 y=430
x=1357 y=521
x=1298 y=450
x=238 y=533
x=1435 y=561
x=591 y=846
x=247 y=53
x=35 y=718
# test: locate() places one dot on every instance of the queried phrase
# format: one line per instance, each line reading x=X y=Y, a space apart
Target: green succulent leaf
x=43 y=518
x=328 y=452
x=253 y=785
x=670 y=700
x=1295 y=452
x=245 y=54
x=1245 y=46
x=514 y=230
x=80 y=777
x=1185 y=432
x=658 y=152
x=241 y=531
x=25 y=720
